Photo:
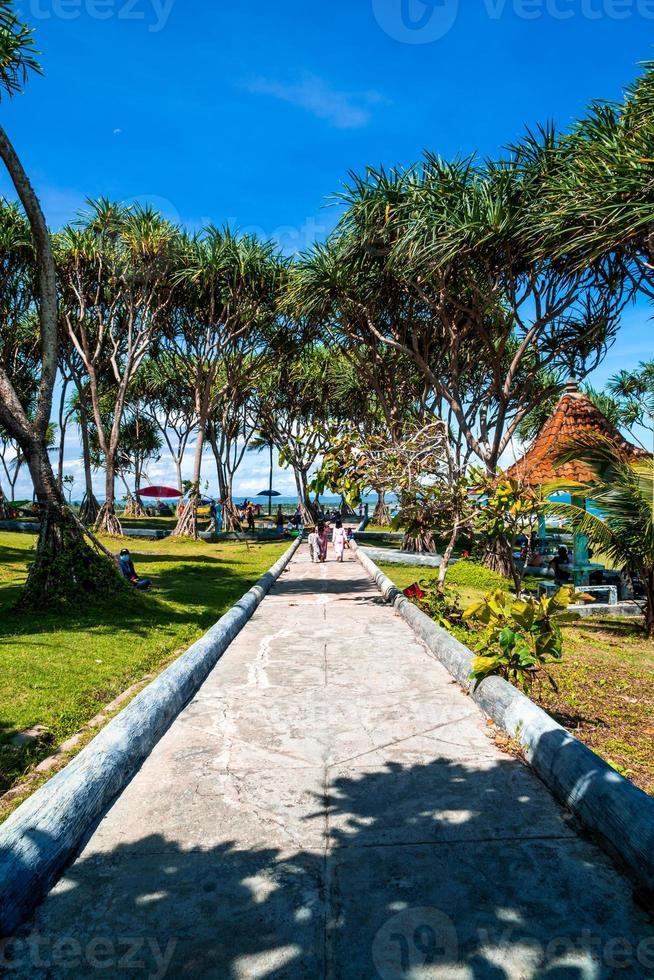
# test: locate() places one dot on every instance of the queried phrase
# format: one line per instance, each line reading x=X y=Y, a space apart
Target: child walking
x=314 y=545
x=339 y=540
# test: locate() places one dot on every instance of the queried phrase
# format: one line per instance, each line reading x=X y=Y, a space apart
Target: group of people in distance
x=319 y=541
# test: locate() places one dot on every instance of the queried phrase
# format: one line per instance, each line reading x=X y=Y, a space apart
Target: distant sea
x=290 y=501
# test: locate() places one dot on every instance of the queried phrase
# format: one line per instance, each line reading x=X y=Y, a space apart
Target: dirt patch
x=606 y=696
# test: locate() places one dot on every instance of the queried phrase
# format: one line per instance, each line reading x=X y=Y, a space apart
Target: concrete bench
x=606 y=594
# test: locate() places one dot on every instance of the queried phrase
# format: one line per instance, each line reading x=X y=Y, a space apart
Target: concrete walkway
x=332 y=805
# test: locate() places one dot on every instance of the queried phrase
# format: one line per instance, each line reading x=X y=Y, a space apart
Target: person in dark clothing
x=280 y=520
x=126 y=565
x=562 y=558
x=249 y=513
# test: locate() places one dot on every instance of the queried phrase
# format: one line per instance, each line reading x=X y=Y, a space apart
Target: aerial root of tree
x=308 y=511
x=89 y=509
x=134 y=507
x=381 y=515
x=498 y=557
x=346 y=510
x=231 y=517
x=107 y=522
x=187 y=523
x=421 y=543
x=67 y=570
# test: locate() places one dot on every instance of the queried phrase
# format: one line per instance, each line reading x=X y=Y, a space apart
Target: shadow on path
x=422 y=876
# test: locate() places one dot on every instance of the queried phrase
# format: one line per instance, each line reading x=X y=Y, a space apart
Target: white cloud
x=345 y=110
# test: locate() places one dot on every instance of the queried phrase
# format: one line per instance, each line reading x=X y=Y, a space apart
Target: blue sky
x=254 y=112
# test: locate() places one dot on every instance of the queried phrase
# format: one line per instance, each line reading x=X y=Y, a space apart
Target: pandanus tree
x=65 y=565
x=169 y=404
x=233 y=423
x=225 y=299
x=484 y=315
x=293 y=406
x=598 y=208
x=633 y=391
x=115 y=267
x=372 y=388
x=82 y=414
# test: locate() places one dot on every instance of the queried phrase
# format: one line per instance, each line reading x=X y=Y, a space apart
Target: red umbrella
x=163 y=492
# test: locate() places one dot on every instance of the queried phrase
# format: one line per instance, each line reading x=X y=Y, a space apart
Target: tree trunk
x=134 y=506
x=107 y=522
x=231 y=517
x=308 y=511
x=346 y=510
x=270 y=482
x=649 y=607
x=499 y=558
x=63 y=424
x=187 y=523
x=447 y=557
x=381 y=515
x=419 y=543
x=65 y=566
x=90 y=508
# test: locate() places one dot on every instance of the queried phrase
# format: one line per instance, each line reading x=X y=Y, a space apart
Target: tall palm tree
x=623 y=491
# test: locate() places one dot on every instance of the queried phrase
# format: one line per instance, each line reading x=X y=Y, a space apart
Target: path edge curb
x=44 y=833
x=609 y=806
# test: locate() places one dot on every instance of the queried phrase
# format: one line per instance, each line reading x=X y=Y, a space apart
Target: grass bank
x=60 y=670
x=605 y=680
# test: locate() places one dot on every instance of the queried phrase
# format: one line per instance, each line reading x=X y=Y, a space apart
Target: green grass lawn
x=60 y=670
x=470 y=580
x=605 y=680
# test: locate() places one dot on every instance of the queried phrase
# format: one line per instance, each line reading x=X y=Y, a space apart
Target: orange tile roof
x=573 y=418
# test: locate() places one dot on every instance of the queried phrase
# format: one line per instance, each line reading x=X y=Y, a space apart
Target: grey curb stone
x=401 y=557
x=39 y=839
x=612 y=808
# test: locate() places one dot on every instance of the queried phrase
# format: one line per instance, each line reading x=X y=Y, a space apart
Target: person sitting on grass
x=126 y=565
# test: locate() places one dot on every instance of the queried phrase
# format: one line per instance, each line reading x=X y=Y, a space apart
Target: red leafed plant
x=415 y=592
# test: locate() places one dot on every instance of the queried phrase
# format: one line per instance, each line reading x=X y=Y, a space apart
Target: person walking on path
x=323 y=540
x=339 y=540
x=314 y=545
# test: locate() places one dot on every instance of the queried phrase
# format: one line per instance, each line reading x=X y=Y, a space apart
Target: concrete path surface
x=331 y=805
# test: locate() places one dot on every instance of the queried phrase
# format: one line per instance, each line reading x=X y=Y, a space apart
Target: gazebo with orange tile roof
x=574 y=418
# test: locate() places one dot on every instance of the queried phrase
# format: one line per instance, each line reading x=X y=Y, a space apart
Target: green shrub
x=471 y=573
x=519 y=637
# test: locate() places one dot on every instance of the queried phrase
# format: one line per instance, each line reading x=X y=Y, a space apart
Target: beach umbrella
x=167 y=493
x=269 y=494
